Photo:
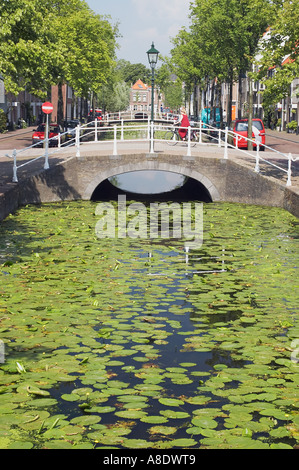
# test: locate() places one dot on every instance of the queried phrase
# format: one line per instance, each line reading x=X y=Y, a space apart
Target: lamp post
x=152 y=55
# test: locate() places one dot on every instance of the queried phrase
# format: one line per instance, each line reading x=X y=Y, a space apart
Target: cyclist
x=184 y=123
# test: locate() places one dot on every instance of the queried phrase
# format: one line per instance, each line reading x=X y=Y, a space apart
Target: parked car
x=39 y=135
x=258 y=132
x=70 y=128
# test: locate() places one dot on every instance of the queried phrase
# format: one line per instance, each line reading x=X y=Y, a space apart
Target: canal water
x=128 y=343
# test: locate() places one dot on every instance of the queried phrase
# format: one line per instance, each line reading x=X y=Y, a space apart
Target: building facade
x=141 y=97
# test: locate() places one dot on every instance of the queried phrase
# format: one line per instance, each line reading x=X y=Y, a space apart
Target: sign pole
x=47 y=108
x=46 y=166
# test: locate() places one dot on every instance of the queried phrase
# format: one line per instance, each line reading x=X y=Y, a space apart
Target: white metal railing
x=153 y=134
x=131 y=115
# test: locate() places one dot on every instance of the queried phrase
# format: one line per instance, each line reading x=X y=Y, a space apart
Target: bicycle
x=172 y=136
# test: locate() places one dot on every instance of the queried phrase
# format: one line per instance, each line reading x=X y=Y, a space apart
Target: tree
x=187 y=63
x=227 y=33
x=130 y=73
x=28 y=55
x=53 y=42
x=278 y=60
x=174 y=95
x=222 y=41
x=115 y=96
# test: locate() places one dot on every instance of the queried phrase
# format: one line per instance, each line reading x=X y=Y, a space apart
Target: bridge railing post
x=257 y=158
x=226 y=143
x=115 y=141
x=15 y=169
x=78 y=141
x=122 y=130
x=189 y=142
x=96 y=130
x=289 y=181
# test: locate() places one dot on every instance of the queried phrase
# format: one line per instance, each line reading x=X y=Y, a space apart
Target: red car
x=258 y=132
x=39 y=135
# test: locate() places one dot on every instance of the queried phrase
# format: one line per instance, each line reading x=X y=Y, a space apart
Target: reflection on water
x=148 y=181
x=150 y=184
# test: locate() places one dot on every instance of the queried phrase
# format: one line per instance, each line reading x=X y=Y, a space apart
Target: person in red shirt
x=184 y=124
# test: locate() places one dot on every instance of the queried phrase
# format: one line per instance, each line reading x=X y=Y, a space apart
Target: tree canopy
x=223 y=39
x=43 y=43
x=278 y=61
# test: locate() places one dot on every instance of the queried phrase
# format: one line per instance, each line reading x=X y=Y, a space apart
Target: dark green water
x=108 y=347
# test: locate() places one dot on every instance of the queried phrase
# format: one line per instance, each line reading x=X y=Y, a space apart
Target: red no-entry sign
x=47 y=108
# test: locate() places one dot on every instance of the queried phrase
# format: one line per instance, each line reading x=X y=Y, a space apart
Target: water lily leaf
x=166 y=430
x=174 y=414
x=70 y=397
x=204 y=422
x=131 y=414
x=136 y=444
x=183 y=442
x=86 y=420
x=154 y=419
x=171 y=401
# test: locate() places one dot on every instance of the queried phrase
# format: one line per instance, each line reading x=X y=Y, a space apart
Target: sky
x=143 y=21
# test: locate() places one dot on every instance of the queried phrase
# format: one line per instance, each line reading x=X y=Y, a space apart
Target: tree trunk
x=240 y=97
x=60 y=104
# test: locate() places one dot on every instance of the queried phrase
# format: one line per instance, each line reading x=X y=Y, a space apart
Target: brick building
x=141 y=96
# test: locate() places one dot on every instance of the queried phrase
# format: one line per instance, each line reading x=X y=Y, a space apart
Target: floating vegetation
x=106 y=346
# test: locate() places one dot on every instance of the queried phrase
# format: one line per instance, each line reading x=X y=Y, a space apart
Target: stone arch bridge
x=70 y=177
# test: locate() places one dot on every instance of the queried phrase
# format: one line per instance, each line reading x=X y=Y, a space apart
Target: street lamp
x=152 y=55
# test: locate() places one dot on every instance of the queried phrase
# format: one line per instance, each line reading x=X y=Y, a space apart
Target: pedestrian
x=184 y=123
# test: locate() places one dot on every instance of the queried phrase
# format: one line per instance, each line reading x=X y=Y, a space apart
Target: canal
x=129 y=343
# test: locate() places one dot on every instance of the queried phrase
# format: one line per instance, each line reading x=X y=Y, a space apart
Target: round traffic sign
x=47 y=108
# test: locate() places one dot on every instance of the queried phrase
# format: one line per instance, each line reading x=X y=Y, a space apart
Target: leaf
x=171 y=401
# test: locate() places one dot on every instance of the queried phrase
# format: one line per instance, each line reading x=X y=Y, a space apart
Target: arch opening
x=151 y=185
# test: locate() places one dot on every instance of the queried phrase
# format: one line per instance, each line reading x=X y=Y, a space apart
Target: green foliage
x=292 y=125
x=222 y=40
x=282 y=42
x=174 y=95
x=89 y=350
x=130 y=73
x=115 y=96
x=50 y=42
x=3 y=120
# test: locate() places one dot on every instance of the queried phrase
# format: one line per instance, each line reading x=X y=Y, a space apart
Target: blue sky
x=144 y=21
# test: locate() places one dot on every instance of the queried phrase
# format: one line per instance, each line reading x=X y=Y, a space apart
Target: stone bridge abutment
x=224 y=179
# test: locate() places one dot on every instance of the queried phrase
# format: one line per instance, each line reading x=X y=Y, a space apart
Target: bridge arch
x=151 y=165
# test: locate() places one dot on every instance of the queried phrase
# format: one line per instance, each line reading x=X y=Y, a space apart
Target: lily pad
x=171 y=402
